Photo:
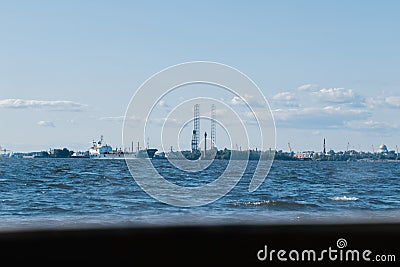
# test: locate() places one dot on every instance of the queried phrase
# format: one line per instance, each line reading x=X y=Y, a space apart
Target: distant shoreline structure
x=99 y=150
x=227 y=154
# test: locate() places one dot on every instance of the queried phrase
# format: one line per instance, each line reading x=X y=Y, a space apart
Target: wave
x=344 y=198
x=276 y=204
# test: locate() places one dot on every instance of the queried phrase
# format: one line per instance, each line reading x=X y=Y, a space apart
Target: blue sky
x=328 y=68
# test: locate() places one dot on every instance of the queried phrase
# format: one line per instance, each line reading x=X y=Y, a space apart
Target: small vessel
x=4 y=153
x=98 y=150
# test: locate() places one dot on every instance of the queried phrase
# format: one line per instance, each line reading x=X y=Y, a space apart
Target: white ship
x=4 y=153
x=98 y=150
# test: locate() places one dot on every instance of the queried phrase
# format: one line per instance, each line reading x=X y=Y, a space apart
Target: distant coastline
x=227 y=154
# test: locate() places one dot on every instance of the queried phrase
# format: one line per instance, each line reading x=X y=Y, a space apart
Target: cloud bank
x=382 y=102
x=335 y=95
x=308 y=107
x=57 y=105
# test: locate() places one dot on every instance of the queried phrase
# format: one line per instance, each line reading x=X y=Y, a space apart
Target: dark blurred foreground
x=193 y=245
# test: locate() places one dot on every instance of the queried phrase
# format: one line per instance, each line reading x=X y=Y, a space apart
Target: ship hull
x=142 y=154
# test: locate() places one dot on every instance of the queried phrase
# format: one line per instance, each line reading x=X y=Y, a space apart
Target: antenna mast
x=213 y=128
x=196 y=128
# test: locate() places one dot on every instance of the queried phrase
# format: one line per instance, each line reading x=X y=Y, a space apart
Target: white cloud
x=319 y=97
x=335 y=95
x=371 y=125
x=249 y=99
x=284 y=96
x=307 y=87
x=382 y=101
x=59 y=105
x=163 y=104
x=236 y=101
x=318 y=117
x=393 y=101
x=45 y=124
x=287 y=99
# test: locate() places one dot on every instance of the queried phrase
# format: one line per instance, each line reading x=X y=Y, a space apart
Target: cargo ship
x=99 y=150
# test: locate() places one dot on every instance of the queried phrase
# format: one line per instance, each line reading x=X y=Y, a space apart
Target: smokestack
x=205 y=143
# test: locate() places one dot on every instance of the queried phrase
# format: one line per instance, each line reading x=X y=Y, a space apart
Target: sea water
x=40 y=193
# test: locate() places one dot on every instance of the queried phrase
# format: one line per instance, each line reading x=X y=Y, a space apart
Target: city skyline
x=328 y=70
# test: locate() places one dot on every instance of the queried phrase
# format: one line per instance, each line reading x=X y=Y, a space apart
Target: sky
x=329 y=69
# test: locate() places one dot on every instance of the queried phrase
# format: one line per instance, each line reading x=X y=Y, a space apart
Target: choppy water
x=84 y=192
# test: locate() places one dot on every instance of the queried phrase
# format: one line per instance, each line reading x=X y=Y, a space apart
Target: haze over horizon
x=328 y=69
